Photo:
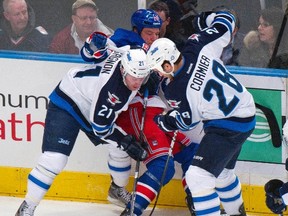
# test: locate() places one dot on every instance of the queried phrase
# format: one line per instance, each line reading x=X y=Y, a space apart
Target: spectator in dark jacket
x=18 y=31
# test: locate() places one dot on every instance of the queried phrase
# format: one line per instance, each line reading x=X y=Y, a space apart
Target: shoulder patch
x=41 y=30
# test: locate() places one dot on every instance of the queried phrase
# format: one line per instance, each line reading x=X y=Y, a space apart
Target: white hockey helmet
x=134 y=62
x=162 y=50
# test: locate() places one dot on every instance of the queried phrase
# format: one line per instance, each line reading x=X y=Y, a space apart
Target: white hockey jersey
x=95 y=95
x=203 y=89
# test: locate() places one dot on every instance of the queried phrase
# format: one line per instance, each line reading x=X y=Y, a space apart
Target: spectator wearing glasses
x=18 y=30
x=259 y=44
x=71 y=39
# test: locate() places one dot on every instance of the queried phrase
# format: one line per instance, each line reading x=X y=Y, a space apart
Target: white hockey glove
x=285 y=132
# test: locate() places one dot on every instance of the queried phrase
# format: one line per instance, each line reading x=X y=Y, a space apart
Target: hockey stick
x=165 y=170
x=279 y=38
x=274 y=127
x=141 y=138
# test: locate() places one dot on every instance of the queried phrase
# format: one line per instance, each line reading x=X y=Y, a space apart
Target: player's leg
x=228 y=188
x=150 y=182
x=158 y=148
x=184 y=157
x=217 y=148
x=119 y=164
x=60 y=133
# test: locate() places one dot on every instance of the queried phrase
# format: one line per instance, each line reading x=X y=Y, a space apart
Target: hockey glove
x=134 y=149
x=273 y=198
x=203 y=20
x=285 y=132
x=98 y=41
x=166 y=122
x=152 y=84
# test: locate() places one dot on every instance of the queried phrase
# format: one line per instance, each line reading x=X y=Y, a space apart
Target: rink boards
x=27 y=80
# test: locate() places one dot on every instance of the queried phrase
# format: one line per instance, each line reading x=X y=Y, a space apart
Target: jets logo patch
x=174 y=104
x=113 y=99
x=194 y=37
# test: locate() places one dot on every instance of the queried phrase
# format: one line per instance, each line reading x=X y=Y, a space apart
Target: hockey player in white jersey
x=145 y=29
x=90 y=99
x=198 y=88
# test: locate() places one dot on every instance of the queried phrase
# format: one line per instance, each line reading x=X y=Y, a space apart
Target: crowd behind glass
x=255 y=44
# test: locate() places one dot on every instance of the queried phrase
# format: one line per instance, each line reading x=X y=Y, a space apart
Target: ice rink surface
x=9 y=206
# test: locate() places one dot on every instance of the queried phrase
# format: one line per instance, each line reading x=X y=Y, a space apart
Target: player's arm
x=174 y=120
x=105 y=128
x=95 y=48
x=98 y=45
x=216 y=27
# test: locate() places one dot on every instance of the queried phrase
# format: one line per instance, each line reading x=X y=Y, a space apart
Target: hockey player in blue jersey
x=145 y=29
x=198 y=88
x=90 y=99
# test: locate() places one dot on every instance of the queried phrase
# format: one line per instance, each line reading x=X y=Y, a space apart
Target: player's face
x=133 y=83
x=85 y=21
x=167 y=68
x=149 y=35
x=17 y=15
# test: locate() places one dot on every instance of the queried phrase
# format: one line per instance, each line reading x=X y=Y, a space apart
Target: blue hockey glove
x=166 y=122
x=99 y=40
x=134 y=148
x=273 y=198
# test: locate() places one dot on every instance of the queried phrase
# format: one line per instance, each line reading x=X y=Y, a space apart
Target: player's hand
x=273 y=198
x=99 y=40
x=96 y=45
x=164 y=122
x=285 y=132
x=203 y=20
x=134 y=148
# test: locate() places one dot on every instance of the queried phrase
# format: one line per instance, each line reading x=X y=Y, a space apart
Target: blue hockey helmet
x=145 y=18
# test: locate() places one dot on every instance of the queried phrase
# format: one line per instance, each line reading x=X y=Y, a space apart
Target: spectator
x=18 y=31
x=259 y=44
x=171 y=25
x=85 y=21
x=162 y=9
